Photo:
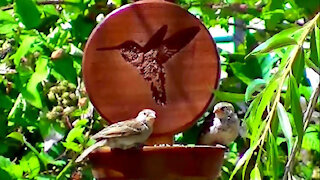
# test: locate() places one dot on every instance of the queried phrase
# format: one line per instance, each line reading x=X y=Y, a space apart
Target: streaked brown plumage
x=125 y=134
x=225 y=126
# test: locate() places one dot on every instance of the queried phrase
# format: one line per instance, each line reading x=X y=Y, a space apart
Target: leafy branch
x=296 y=148
x=259 y=138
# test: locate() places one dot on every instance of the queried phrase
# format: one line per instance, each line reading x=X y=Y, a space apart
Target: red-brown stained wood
x=177 y=81
x=165 y=163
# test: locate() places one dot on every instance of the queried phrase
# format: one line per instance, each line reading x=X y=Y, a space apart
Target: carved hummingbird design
x=150 y=58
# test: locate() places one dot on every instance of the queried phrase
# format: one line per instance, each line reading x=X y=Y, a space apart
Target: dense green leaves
x=285 y=124
x=30 y=164
x=315 y=45
x=256 y=85
x=31 y=92
x=7 y=23
x=28 y=13
x=44 y=105
x=255 y=174
x=284 y=38
x=295 y=107
x=298 y=66
x=17 y=136
x=311 y=139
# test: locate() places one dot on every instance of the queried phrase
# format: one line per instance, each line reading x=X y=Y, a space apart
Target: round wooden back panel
x=155 y=55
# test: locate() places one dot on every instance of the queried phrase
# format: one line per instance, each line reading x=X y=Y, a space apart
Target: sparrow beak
x=152 y=116
x=217 y=111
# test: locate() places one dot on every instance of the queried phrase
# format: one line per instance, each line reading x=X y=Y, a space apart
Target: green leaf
x=3 y=3
x=5 y=100
x=16 y=106
x=285 y=124
x=284 y=38
x=23 y=49
x=7 y=23
x=17 y=136
x=4 y=174
x=228 y=96
x=315 y=46
x=28 y=13
x=30 y=164
x=255 y=174
x=75 y=133
x=295 y=107
x=72 y=146
x=273 y=162
x=298 y=66
x=256 y=85
x=31 y=92
x=311 y=138
x=14 y=170
x=267 y=95
x=64 y=67
x=81 y=122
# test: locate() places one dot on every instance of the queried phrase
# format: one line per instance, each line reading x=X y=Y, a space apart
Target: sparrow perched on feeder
x=125 y=134
x=224 y=127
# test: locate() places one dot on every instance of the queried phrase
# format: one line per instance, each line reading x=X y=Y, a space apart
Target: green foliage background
x=46 y=117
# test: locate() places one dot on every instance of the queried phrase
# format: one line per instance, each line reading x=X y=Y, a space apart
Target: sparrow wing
x=176 y=42
x=120 y=129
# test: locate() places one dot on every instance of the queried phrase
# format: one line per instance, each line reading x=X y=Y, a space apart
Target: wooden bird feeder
x=153 y=54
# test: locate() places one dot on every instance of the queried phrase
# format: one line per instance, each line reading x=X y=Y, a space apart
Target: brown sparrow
x=125 y=134
x=224 y=128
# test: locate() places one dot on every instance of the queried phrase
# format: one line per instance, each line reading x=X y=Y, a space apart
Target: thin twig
x=313 y=66
x=65 y=169
x=306 y=119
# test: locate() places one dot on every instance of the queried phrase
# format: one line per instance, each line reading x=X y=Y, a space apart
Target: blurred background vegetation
x=269 y=51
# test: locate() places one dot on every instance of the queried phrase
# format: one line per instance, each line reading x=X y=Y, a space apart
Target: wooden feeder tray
x=153 y=54
x=160 y=162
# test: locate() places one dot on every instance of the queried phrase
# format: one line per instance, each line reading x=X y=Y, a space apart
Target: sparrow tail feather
x=90 y=149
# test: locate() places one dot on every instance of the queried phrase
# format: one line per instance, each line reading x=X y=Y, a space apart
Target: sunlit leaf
x=284 y=38
x=17 y=136
x=31 y=92
x=72 y=146
x=30 y=164
x=285 y=124
x=14 y=170
x=75 y=133
x=255 y=174
x=23 y=49
x=311 y=138
x=247 y=155
x=7 y=23
x=228 y=96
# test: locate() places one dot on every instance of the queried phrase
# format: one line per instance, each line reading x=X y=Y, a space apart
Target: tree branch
x=306 y=119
